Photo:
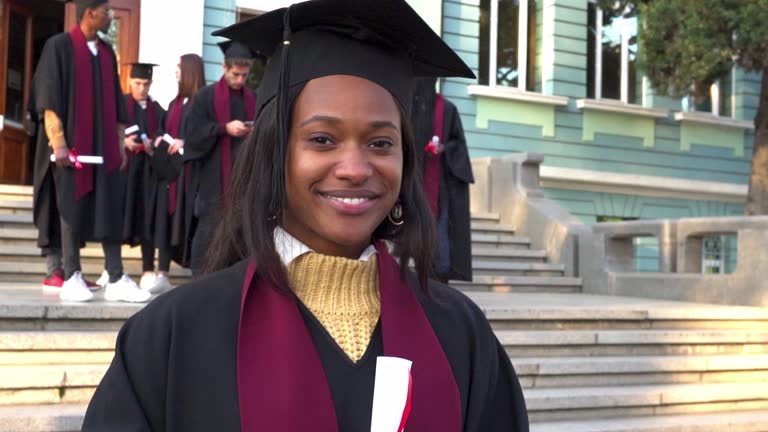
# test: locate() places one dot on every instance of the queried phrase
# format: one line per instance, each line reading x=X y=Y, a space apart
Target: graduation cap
x=384 y=41
x=142 y=70
x=236 y=50
x=89 y=4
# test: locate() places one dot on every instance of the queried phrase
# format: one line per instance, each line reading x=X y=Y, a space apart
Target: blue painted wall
x=612 y=153
x=218 y=14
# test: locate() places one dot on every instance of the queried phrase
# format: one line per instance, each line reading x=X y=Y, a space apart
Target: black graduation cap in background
x=142 y=70
x=235 y=50
x=384 y=41
x=166 y=167
x=92 y=4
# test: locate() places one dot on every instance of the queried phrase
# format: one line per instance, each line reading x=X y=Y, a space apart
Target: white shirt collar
x=289 y=247
x=92 y=47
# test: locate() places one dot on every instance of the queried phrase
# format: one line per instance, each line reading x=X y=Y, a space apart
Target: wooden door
x=15 y=77
x=123 y=33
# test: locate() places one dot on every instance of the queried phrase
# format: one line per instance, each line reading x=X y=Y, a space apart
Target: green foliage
x=686 y=45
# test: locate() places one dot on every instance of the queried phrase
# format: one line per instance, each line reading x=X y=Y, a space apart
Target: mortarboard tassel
x=282 y=111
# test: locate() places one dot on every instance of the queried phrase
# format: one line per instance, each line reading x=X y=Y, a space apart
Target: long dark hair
x=256 y=199
x=192 y=75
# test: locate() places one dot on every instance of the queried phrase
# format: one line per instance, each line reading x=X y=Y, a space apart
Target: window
x=718 y=102
x=612 y=56
x=508 y=44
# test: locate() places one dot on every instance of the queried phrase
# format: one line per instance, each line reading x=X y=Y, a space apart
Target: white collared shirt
x=92 y=46
x=289 y=247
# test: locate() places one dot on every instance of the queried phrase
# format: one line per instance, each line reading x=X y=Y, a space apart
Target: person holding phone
x=217 y=117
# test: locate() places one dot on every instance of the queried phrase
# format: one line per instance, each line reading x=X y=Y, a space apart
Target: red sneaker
x=55 y=282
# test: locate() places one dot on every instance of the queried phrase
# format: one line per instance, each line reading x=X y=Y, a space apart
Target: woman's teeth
x=350 y=201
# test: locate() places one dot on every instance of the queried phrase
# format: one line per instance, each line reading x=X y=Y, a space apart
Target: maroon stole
x=221 y=93
x=83 y=133
x=279 y=371
x=432 y=160
x=151 y=117
x=172 y=127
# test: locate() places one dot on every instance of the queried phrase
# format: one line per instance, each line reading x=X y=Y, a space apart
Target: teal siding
x=611 y=153
x=218 y=14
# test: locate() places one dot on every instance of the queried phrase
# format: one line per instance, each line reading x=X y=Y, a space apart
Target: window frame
x=598 y=64
x=522 y=45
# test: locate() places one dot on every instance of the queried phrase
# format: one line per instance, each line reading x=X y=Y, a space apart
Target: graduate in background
x=169 y=221
x=287 y=332
x=145 y=117
x=447 y=173
x=220 y=117
x=77 y=90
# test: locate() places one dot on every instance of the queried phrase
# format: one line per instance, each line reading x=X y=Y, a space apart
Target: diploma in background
x=391 y=394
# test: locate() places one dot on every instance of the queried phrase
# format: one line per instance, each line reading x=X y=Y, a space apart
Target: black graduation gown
x=140 y=183
x=172 y=230
x=175 y=364
x=98 y=216
x=455 y=177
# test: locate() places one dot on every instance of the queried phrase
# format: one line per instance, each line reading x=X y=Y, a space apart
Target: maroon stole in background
x=173 y=127
x=279 y=371
x=221 y=94
x=83 y=133
x=432 y=161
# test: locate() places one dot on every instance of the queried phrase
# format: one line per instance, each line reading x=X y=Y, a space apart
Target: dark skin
x=93 y=21
x=344 y=165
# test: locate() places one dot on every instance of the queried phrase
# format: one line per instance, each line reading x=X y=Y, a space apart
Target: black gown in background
x=97 y=216
x=455 y=176
x=202 y=152
x=139 y=181
x=175 y=365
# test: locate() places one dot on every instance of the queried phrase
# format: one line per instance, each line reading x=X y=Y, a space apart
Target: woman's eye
x=320 y=140
x=381 y=144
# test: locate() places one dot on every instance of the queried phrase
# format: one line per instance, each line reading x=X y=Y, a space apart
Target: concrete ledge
x=746 y=421
x=57 y=340
x=629 y=337
x=42 y=418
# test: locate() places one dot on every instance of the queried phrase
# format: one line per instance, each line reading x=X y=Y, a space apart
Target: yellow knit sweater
x=343 y=294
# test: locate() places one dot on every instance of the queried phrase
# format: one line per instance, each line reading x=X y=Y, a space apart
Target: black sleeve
x=122 y=111
x=203 y=130
x=131 y=396
x=456 y=153
x=505 y=410
x=47 y=82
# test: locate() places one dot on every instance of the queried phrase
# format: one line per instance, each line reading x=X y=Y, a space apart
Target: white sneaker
x=126 y=290
x=147 y=281
x=161 y=284
x=103 y=279
x=75 y=289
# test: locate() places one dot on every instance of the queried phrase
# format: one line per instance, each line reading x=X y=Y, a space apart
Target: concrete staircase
x=20 y=260
x=587 y=363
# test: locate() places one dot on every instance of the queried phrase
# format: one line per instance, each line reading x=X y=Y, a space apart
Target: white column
x=598 y=54
x=494 y=43
x=624 y=62
x=169 y=29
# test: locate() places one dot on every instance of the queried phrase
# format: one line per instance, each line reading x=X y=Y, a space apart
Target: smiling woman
x=304 y=301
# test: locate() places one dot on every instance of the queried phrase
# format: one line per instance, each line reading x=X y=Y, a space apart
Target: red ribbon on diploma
x=73 y=158
x=407 y=409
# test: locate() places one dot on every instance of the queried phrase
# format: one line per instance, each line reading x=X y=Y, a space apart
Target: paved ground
x=20 y=297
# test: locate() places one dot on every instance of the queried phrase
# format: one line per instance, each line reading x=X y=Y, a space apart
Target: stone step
x=505 y=254
x=485 y=217
x=15 y=192
x=570 y=343
x=549 y=372
x=500 y=240
x=92 y=250
x=15 y=206
x=513 y=268
x=627 y=401
x=42 y=418
x=15 y=219
x=491 y=228
x=743 y=421
x=46 y=384
x=520 y=284
x=551 y=311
